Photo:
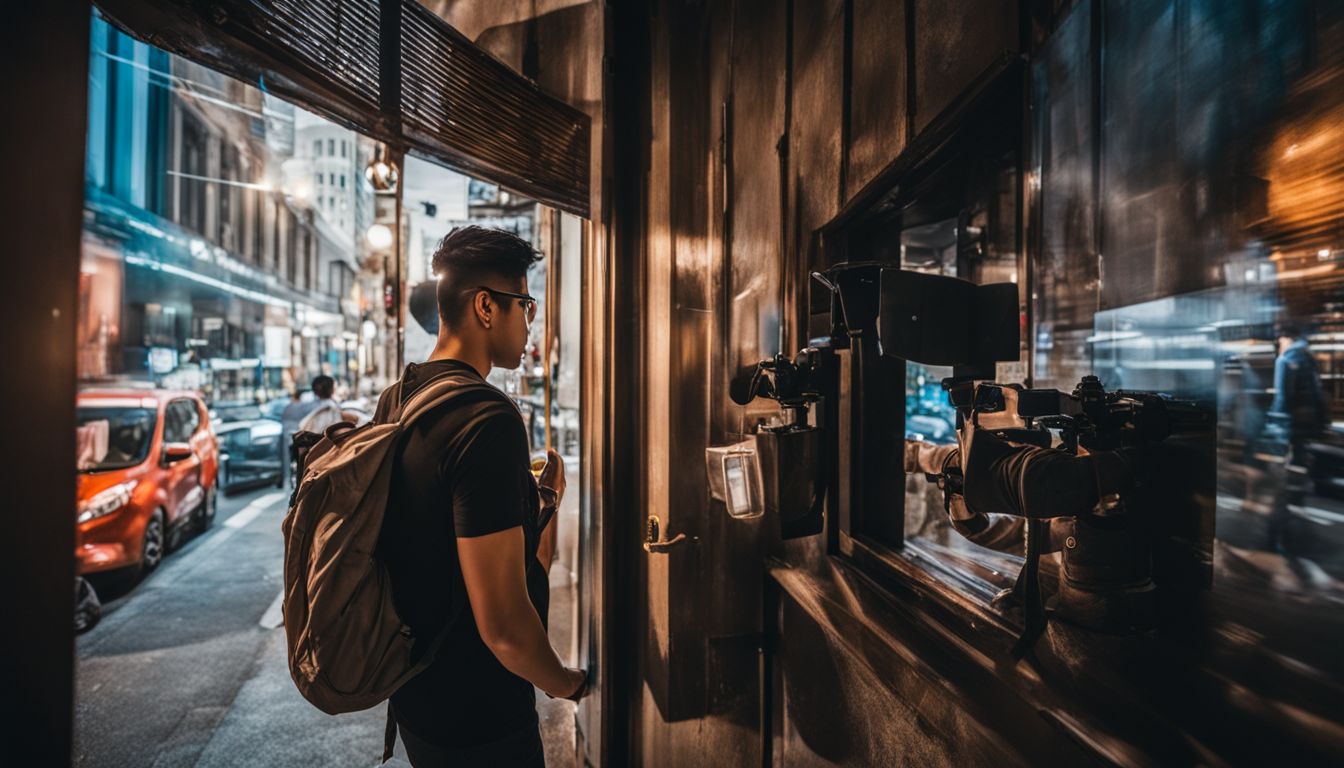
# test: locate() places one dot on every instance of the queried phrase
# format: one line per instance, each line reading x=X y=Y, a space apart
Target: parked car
x=148 y=463
x=250 y=454
x=229 y=411
x=275 y=407
x=932 y=429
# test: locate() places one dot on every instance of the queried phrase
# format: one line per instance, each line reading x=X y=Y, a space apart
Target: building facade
x=214 y=256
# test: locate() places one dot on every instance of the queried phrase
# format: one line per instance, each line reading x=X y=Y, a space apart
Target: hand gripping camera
x=1112 y=494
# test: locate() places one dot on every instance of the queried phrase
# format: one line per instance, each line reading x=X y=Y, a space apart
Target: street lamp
x=379 y=237
x=381 y=173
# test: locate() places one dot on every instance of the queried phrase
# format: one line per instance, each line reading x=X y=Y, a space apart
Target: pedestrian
x=1302 y=410
x=466 y=520
x=326 y=411
x=290 y=417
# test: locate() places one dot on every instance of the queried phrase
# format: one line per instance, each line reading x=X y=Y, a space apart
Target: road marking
x=255 y=507
x=274 y=616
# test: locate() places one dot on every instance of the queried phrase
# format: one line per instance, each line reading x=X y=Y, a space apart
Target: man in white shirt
x=326 y=412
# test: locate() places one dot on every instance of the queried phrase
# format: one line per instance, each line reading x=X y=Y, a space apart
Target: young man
x=326 y=411
x=1302 y=409
x=461 y=534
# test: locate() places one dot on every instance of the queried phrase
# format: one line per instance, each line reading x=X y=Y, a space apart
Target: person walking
x=326 y=411
x=464 y=531
x=294 y=412
x=1301 y=408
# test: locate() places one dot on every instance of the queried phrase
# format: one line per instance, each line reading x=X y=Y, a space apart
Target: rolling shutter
x=458 y=99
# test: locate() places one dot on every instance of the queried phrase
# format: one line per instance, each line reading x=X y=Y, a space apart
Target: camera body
x=1106 y=488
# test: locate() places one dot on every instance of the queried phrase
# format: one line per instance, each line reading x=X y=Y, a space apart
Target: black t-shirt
x=462 y=472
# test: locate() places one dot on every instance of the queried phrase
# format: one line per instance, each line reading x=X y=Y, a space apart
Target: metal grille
x=458 y=100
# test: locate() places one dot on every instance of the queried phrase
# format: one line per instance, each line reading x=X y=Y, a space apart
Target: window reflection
x=216 y=257
x=1189 y=243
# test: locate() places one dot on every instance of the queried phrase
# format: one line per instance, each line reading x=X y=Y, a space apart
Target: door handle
x=655 y=544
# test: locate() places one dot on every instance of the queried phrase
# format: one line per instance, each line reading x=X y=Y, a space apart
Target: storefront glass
x=225 y=246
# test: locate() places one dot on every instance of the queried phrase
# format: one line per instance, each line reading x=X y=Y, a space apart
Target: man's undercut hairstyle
x=323 y=386
x=472 y=257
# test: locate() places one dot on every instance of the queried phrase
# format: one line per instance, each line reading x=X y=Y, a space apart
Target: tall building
x=213 y=257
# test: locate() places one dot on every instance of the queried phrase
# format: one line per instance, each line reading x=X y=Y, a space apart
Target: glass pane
x=1215 y=279
x=977 y=242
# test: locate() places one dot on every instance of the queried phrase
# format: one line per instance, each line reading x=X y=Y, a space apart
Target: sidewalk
x=189 y=669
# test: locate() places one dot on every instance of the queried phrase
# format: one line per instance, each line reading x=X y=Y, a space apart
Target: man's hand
x=553 y=475
x=580 y=686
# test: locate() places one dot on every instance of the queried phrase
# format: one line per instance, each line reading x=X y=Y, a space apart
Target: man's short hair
x=323 y=386
x=1292 y=330
x=472 y=256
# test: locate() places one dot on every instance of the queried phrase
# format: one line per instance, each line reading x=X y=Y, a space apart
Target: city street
x=188 y=667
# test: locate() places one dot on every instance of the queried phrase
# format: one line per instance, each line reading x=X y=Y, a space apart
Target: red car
x=148 y=463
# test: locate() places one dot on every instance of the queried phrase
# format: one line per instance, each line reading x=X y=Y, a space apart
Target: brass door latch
x=653 y=541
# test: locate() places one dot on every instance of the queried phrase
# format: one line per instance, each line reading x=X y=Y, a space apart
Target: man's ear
x=480 y=303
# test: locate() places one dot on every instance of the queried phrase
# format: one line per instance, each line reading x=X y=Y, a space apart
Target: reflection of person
x=464 y=522
x=1300 y=407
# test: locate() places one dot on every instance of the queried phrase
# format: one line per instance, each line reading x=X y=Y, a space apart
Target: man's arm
x=492 y=567
x=1282 y=382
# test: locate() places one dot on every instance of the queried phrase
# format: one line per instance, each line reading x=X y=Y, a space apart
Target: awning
x=390 y=69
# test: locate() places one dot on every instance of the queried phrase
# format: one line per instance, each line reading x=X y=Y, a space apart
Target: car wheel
x=87 y=608
x=151 y=551
x=206 y=515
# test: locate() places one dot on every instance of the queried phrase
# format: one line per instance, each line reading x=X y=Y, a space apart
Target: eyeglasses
x=528 y=303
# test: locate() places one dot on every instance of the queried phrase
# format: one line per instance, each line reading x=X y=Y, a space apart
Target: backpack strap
x=442 y=390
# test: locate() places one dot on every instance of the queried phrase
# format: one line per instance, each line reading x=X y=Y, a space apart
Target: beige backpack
x=348 y=649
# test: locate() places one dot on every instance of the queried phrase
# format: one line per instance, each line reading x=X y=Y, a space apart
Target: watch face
x=739 y=494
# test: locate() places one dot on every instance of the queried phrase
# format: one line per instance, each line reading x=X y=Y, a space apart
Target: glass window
x=179 y=421
x=342 y=178
x=212 y=294
x=957 y=219
x=1212 y=189
x=113 y=437
x=343 y=149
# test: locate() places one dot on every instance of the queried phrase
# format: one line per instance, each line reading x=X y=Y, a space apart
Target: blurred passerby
x=290 y=418
x=326 y=411
x=1300 y=408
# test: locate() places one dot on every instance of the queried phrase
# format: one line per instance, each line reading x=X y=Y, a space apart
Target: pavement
x=187 y=668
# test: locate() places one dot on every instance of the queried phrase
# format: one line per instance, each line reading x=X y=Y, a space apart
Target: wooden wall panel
x=878 y=122
x=815 y=136
x=956 y=41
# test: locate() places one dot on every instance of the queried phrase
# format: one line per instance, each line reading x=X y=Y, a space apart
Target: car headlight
x=107 y=501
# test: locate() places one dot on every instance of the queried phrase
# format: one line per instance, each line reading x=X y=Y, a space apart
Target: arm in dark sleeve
x=485 y=475
x=1283 y=379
